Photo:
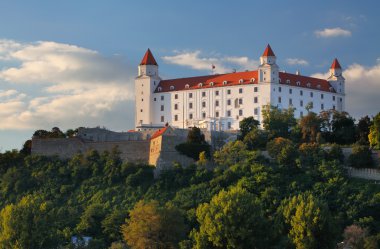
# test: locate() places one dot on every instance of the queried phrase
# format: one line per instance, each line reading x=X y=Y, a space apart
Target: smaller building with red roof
x=221 y=101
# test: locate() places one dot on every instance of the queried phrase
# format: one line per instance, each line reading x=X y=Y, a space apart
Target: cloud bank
x=297 y=61
x=46 y=84
x=332 y=32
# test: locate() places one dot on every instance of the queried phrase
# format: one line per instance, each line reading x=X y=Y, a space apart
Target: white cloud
x=297 y=61
x=332 y=32
x=362 y=89
x=195 y=60
x=55 y=84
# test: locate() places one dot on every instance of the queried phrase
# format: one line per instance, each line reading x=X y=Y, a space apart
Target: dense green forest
x=236 y=198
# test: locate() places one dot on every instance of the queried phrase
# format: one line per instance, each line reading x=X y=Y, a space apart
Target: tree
x=247 y=125
x=343 y=128
x=283 y=151
x=90 y=221
x=195 y=136
x=278 y=122
x=194 y=145
x=310 y=127
x=361 y=157
x=27 y=148
x=363 y=129
x=153 y=227
x=374 y=134
x=232 y=153
x=28 y=224
x=256 y=139
x=232 y=219
x=308 y=221
x=354 y=237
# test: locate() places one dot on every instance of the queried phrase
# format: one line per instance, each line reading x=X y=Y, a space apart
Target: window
x=279 y=89
x=228 y=113
x=175 y=96
x=190 y=95
x=311 y=94
x=241 y=81
x=340 y=99
x=290 y=102
x=171 y=87
x=279 y=99
x=255 y=100
x=240 y=112
x=288 y=81
x=190 y=116
x=255 y=89
x=142 y=100
x=162 y=107
x=190 y=105
x=252 y=80
x=322 y=96
x=228 y=102
x=200 y=84
x=175 y=106
x=141 y=110
x=155 y=99
x=333 y=107
x=240 y=90
x=229 y=91
x=217 y=114
x=203 y=94
x=301 y=114
x=290 y=91
x=301 y=103
x=319 y=86
x=211 y=83
x=298 y=83
x=229 y=125
x=187 y=86
x=308 y=84
x=225 y=82
x=333 y=98
x=256 y=111
x=216 y=93
x=240 y=101
x=204 y=104
x=162 y=119
x=175 y=117
x=301 y=93
x=203 y=115
x=159 y=89
x=322 y=107
x=216 y=102
x=162 y=97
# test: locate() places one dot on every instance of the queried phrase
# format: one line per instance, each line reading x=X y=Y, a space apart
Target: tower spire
x=268 y=51
x=335 y=64
x=148 y=59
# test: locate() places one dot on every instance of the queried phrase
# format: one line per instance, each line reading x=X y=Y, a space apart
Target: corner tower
x=336 y=78
x=268 y=70
x=145 y=85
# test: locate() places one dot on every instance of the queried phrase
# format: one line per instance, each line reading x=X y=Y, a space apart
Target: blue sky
x=72 y=63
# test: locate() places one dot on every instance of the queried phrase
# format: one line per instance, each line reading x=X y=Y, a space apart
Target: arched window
x=187 y=86
x=225 y=82
x=319 y=86
x=171 y=87
x=211 y=83
x=159 y=89
x=252 y=80
x=308 y=84
x=298 y=83
x=241 y=81
x=200 y=84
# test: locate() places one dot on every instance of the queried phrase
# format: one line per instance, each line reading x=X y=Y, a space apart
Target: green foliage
x=256 y=139
x=233 y=219
x=283 y=151
x=310 y=127
x=195 y=136
x=278 y=122
x=247 y=125
x=362 y=130
x=335 y=153
x=152 y=226
x=374 y=134
x=310 y=155
x=361 y=157
x=309 y=222
x=194 y=145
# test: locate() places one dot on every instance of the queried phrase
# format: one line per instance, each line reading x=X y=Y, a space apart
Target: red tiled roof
x=324 y=85
x=159 y=132
x=208 y=81
x=148 y=59
x=268 y=51
x=335 y=64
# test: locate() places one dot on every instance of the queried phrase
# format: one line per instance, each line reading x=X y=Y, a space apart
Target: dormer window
x=241 y=81
x=331 y=89
x=211 y=83
x=225 y=82
x=159 y=89
x=187 y=86
x=200 y=84
x=279 y=80
x=252 y=80
x=319 y=86
x=287 y=81
x=171 y=87
x=308 y=84
x=298 y=83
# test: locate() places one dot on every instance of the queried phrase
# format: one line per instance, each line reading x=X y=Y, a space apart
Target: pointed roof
x=335 y=64
x=148 y=59
x=268 y=51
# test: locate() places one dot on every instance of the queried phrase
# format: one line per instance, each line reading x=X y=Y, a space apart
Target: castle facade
x=220 y=101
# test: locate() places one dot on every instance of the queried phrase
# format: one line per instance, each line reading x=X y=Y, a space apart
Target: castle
x=215 y=103
x=220 y=101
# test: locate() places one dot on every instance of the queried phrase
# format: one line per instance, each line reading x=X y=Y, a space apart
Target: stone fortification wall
x=67 y=147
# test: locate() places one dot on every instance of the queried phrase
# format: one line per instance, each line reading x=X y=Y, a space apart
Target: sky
x=71 y=63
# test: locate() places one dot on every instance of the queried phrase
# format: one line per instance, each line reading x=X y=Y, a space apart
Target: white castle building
x=221 y=101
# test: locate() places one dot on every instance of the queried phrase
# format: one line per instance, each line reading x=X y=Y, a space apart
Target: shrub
x=283 y=151
x=361 y=157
